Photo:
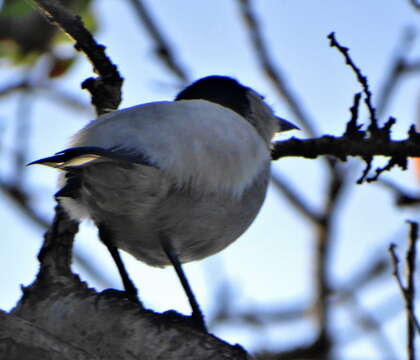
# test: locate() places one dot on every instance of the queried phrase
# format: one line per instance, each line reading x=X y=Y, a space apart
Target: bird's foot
x=197 y=319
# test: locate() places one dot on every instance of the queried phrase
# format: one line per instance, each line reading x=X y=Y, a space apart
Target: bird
x=172 y=182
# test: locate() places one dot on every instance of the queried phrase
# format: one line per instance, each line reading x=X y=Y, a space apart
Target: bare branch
x=408 y=291
x=342 y=147
x=105 y=89
x=21 y=199
x=295 y=199
x=162 y=49
x=360 y=77
x=410 y=262
x=369 y=323
x=273 y=73
x=122 y=327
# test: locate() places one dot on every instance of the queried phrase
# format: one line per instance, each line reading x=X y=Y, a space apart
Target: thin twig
x=360 y=77
x=295 y=199
x=396 y=273
x=408 y=291
x=273 y=73
x=410 y=270
x=370 y=323
x=162 y=48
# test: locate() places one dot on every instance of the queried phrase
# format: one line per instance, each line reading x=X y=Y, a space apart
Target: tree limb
x=105 y=89
x=107 y=324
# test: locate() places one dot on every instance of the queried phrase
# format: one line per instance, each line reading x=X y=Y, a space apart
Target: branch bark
x=341 y=147
x=105 y=89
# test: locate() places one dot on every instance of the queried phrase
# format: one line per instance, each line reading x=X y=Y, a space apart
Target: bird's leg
x=197 y=315
x=106 y=237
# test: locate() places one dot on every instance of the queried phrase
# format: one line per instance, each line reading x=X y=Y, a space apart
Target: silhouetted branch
x=343 y=147
x=377 y=143
x=57 y=302
x=361 y=79
x=105 y=89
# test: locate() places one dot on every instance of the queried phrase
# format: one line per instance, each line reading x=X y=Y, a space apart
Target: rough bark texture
x=21 y=339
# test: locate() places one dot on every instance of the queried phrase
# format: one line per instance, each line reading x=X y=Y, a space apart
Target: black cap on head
x=221 y=90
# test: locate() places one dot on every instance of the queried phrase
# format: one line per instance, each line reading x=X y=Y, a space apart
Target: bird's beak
x=285 y=125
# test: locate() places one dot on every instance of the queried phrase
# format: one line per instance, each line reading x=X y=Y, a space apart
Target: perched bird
x=172 y=182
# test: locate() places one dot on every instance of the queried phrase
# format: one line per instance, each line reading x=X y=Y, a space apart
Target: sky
x=271 y=263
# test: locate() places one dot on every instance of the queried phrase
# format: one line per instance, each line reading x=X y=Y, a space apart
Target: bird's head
x=245 y=101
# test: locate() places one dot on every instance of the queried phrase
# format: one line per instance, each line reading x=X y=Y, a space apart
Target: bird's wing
x=77 y=157
x=195 y=142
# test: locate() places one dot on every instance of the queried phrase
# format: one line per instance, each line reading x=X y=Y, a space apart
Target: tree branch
x=105 y=89
x=343 y=147
x=162 y=49
x=273 y=73
x=21 y=339
x=107 y=324
x=408 y=290
x=295 y=199
x=360 y=78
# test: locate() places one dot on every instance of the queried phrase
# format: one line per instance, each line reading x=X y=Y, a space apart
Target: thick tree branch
x=342 y=147
x=21 y=339
x=105 y=89
x=107 y=324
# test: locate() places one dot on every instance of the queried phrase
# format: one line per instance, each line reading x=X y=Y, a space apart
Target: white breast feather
x=194 y=141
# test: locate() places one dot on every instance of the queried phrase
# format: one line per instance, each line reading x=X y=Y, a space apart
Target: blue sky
x=272 y=262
